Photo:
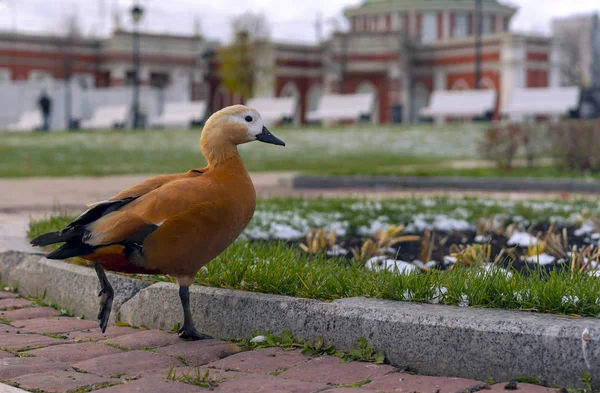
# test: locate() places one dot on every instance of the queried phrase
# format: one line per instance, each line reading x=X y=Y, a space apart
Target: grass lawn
x=355 y=149
x=274 y=267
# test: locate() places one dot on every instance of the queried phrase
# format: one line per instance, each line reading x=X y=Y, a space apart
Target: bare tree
x=571 y=62
x=244 y=62
x=254 y=24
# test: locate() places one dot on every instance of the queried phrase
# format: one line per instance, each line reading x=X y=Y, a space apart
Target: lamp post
x=137 y=12
x=478 y=33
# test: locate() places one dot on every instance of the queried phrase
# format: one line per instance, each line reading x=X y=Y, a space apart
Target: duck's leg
x=188 y=330
x=106 y=297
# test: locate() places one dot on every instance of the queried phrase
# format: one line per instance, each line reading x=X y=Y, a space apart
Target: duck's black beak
x=266 y=137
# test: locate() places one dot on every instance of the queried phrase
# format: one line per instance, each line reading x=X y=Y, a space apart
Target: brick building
x=400 y=50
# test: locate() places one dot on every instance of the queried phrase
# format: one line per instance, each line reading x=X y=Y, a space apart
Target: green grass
x=281 y=269
x=358 y=149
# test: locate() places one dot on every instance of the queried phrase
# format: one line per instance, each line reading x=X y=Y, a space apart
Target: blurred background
x=516 y=83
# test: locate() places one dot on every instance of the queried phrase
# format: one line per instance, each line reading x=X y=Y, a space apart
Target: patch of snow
x=491 y=268
x=570 y=300
x=450 y=260
x=522 y=239
x=286 y=232
x=481 y=239
x=595 y=273
x=407 y=296
x=595 y=236
x=384 y=263
x=429 y=202
x=543 y=259
x=379 y=224
x=258 y=339
x=586 y=228
x=464 y=301
x=439 y=294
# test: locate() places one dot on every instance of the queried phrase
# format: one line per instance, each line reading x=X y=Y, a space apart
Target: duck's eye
x=249 y=119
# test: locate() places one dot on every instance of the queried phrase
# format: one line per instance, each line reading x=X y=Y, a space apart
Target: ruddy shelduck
x=171 y=224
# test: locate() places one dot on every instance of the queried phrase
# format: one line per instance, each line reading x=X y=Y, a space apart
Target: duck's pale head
x=236 y=125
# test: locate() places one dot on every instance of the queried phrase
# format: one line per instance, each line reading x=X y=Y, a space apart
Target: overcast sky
x=290 y=20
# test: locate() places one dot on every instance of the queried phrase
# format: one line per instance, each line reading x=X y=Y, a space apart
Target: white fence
x=22 y=97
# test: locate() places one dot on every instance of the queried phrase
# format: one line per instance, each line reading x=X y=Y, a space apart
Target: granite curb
x=446 y=183
x=36 y=275
x=431 y=339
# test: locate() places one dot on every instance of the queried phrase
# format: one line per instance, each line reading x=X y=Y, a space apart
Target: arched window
x=290 y=89
x=367 y=87
x=420 y=99
x=487 y=83
x=313 y=97
x=460 y=84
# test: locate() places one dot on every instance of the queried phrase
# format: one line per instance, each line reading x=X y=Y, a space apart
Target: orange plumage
x=172 y=224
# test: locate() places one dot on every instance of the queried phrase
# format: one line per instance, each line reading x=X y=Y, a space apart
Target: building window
x=486 y=25
x=159 y=79
x=381 y=22
x=461 y=25
x=429 y=29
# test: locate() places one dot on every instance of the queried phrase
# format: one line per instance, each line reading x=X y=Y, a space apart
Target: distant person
x=45 y=104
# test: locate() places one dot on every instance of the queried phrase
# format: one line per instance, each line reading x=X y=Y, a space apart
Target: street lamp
x=478 y=33
x=137 y=12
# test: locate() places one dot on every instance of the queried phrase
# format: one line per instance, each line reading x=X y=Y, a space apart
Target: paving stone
x=267 y=383
x=94 y=334
x=59 y=381
x=29 y=313
x=4 y=354
x=15 y=367
x=152 y=386
x=20 y=341
x=73 y=353
x=8 y=295
x=6 y=304
x=521 y=388
x=348 y=390
x=7 y=329
x=331 y=370
x=163 y=373
x=146 y=339
x=400 y=382
x=261 y=361
x=198 y=353
x=53 y=325
x=127 y=362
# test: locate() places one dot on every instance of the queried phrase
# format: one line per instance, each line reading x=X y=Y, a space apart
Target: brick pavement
x=43 y=352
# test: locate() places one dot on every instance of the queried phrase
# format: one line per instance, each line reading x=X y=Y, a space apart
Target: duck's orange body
x=200 y=214
x=172 y=224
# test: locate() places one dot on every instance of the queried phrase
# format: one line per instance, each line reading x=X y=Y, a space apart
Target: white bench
x=460 y=104
x=180 y=114
x=342 y=107
x=28 y=121
x=107 y=117
x=274 y=110
x=553 y=101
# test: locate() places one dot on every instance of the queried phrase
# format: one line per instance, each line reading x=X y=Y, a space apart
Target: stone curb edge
x=431 y=339
x=446 y=183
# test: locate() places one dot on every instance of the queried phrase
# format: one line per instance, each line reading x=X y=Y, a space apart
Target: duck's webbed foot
x=106 y=297
x=188 y=330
